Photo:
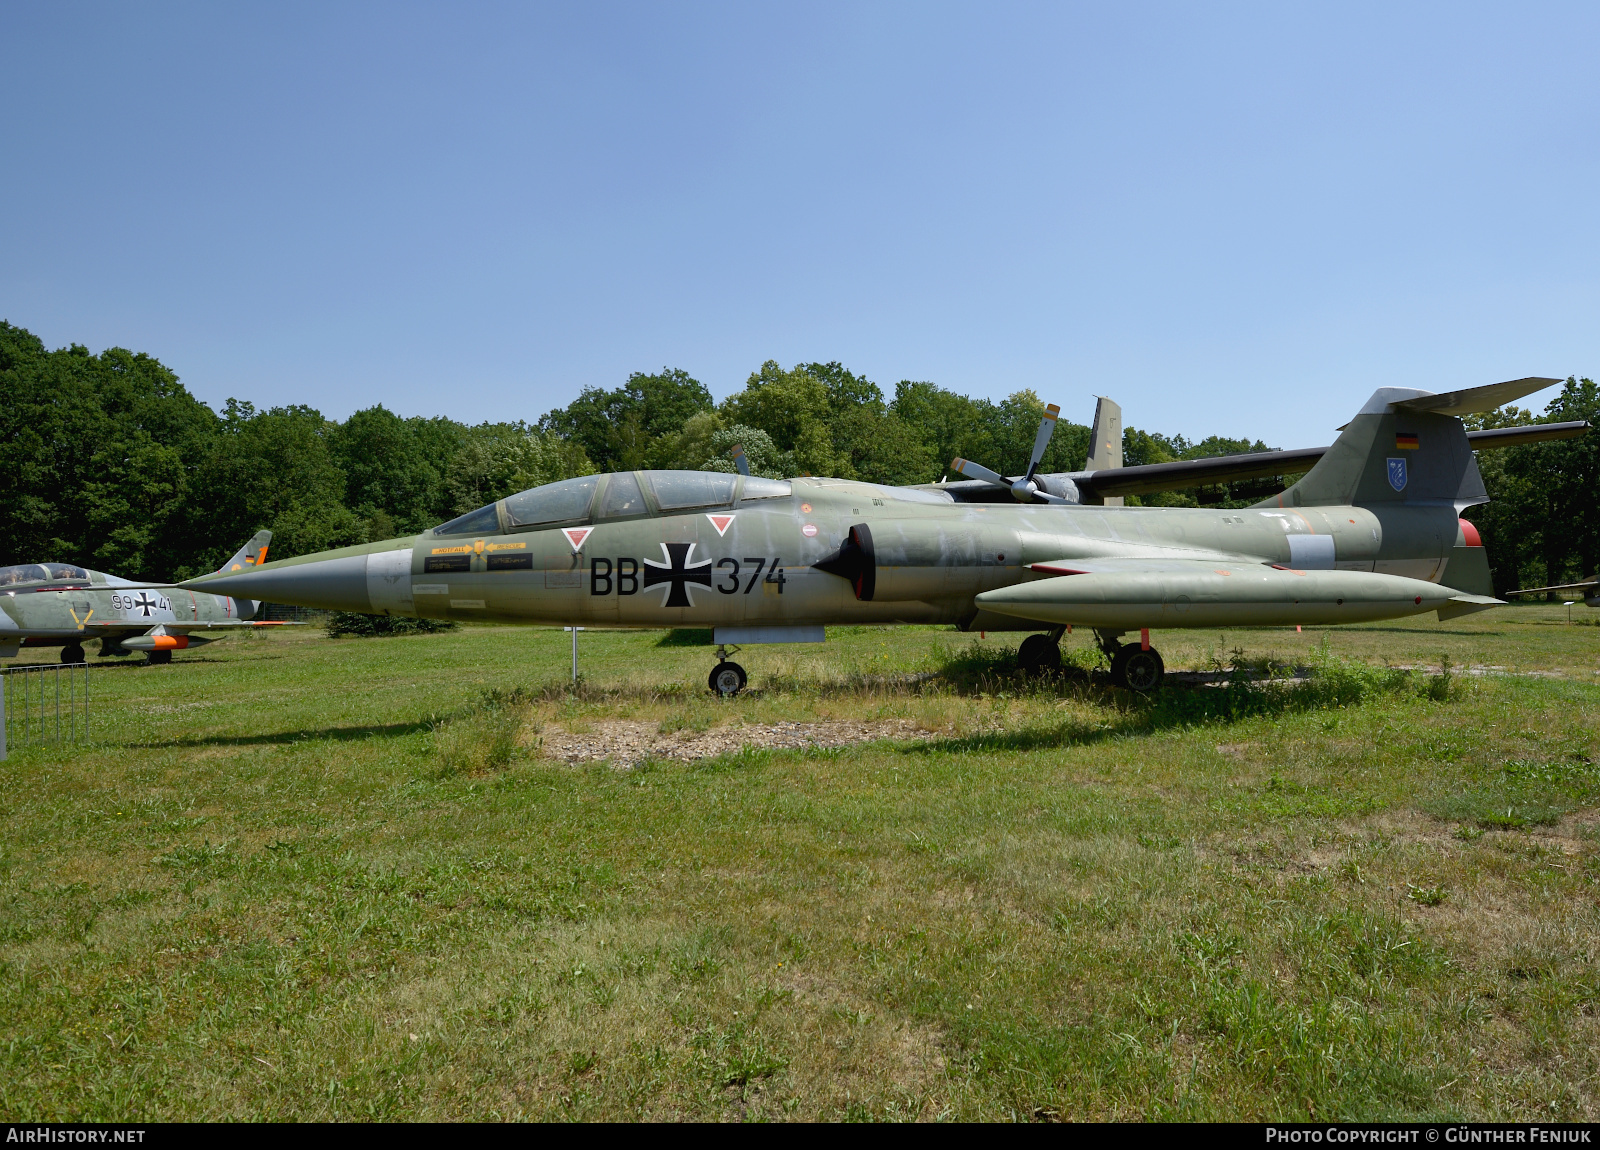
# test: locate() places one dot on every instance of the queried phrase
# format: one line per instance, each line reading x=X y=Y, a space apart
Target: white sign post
x=574 y=631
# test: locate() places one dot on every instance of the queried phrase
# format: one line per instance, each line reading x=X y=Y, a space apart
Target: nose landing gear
x=1136 y=667
x=727 y=678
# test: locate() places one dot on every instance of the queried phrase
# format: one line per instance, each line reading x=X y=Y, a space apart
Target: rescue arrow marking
x=721 y=523
x=576 y=535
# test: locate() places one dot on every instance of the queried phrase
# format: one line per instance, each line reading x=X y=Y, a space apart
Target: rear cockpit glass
x=622 y=497
x=483 y=521
x=676 y=490
x=552 y=503
x=40 y=573
x=765 y=488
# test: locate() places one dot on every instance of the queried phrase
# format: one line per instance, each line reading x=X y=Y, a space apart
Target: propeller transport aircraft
x=62 y=605
x=1372 y=531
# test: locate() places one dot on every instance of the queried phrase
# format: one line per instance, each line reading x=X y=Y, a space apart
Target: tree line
x=108 y=461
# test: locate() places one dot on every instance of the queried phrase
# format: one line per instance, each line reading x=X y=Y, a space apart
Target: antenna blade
x=978 y=471
x=739 y=460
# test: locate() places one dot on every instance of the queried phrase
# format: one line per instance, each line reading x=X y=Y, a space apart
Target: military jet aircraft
x=1372 y=531
x=63 y=605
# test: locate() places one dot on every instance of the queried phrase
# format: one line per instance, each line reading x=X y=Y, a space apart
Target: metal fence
x=48 y=703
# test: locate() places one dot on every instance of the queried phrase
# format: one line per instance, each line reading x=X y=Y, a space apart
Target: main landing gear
x=727 y=678
x=73 y=653
x=1137 y=667
x=1041 y=654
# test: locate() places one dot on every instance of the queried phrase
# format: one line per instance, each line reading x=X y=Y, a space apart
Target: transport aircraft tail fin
x=1105 y=443
x=1407 y=447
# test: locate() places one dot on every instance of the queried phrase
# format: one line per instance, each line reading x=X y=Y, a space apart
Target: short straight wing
x=1558 y=587
x=1183 y=473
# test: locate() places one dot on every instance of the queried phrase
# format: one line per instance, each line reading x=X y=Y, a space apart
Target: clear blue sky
x=1236 y=219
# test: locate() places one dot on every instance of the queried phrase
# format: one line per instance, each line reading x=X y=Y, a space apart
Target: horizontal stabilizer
x=1471 y=399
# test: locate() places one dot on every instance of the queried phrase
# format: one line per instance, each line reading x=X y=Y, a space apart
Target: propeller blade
x=978 y=471
x=1047 y=428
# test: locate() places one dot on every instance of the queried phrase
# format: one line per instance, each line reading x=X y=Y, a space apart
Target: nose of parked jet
x=332 y=581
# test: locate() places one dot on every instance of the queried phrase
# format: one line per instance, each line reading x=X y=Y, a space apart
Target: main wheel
x=73 y=653
x=1138 y=669
x=727 y=679
x=157 y=658
x=1038 y=655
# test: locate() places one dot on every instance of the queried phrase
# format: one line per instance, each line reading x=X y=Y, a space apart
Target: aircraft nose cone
x=338 y=584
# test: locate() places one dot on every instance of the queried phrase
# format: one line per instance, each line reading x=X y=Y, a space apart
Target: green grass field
x=296 y=877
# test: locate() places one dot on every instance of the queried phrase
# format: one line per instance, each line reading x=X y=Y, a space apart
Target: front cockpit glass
x=40 y=573
x=677 y=490
x=552 y=503
x=23 y=573
x=622 y=497
x=483 y=521
x=755 y=488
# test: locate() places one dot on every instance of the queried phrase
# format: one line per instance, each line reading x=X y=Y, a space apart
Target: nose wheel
x=727 y=678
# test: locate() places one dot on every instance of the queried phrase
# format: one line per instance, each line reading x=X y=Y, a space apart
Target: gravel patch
x=627 y=743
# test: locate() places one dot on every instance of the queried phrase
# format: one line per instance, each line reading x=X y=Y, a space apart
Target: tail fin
x=1105 y=441
x=1406 y=447
x=252 y=554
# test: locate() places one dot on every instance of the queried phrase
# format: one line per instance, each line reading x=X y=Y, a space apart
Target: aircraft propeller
x=1023 y=490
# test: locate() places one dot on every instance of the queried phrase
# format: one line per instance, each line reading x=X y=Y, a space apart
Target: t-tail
x=1406 y=459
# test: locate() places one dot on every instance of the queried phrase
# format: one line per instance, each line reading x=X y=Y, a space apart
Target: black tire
x=1039 y=656
x=727 y=679
x=158 y=658
x=73 y=653
x=1138 y=669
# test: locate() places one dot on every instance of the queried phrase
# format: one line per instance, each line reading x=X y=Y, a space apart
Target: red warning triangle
x=721 y=523
x=576 y=535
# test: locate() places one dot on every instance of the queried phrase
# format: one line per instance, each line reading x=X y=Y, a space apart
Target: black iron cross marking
x=146 y=603
x=678 y=573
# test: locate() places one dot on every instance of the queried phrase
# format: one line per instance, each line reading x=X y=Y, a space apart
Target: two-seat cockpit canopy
x=616 y=495
x=26 y=573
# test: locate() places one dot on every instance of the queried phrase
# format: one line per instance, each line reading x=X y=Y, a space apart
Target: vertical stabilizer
x=252 y=554
x=1105 y=441
x=1394 y=451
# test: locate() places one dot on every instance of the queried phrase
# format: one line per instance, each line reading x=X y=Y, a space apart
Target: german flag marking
x=1404 y=442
